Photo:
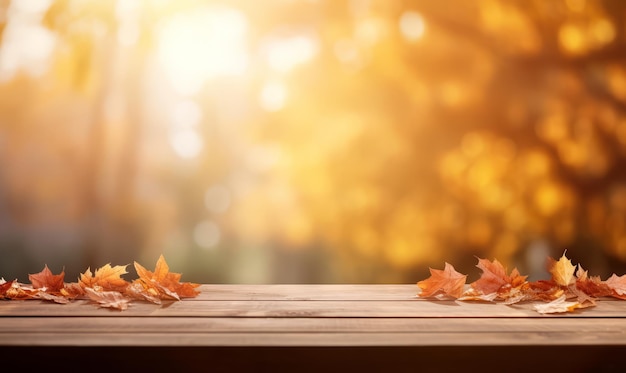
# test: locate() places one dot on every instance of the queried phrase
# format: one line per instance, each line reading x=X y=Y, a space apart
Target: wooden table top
x=311 y=316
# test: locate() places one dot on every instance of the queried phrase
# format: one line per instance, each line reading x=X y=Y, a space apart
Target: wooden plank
x=298 y=325
x=314 y=339
x=308 y=292
x=106 y=325
x=410 y=308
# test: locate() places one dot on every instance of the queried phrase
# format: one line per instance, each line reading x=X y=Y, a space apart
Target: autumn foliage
x=569 y=288
x=105 y=286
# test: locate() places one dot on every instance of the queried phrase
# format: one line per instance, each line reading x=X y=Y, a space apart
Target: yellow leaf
x=562 y=271
x=107 y=277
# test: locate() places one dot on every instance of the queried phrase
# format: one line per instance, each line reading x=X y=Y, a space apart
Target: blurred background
x=312 y=141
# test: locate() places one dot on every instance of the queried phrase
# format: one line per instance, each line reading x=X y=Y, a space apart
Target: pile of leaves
x=569 y=288
x=105 y=287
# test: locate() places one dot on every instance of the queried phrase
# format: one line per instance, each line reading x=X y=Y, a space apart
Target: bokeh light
x=313 y=141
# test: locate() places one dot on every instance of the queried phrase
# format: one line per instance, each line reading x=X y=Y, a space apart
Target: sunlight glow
x=184 y=119
x=26 y=44
x=273 y=96
x=347 y=52
x=200 y=45
x=412 y=25
x=355 y=140
x=186 y=142
x=128 y=13
x=185 y=113
x=285 y=53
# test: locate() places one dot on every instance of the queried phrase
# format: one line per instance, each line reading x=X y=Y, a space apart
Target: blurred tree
x=453 y=137
x=366 y=139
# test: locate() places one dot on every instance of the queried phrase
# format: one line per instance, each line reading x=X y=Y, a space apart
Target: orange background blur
x=312 y=141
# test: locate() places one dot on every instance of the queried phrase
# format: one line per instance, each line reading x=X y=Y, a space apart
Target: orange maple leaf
x=164 y=283
x=516 y=279
x=106 y=277
x=562 y=271
x=45 y=279
x=495 y=283
x=494 y=277
x=447 y=281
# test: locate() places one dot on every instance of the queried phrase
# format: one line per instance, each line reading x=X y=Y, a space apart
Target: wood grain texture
x=292 y=325
x=305 y=308
x=314 y=339
x=307 y=316
x=308 y=292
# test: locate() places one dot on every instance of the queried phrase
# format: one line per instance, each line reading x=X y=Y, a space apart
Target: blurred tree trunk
x=102 y=61
x=113 y=228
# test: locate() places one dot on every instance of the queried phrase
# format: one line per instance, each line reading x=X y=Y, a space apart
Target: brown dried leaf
x=73 y=290
x=136 y=290
x=474 y=295
x=51 y=297
x=560 y=305
x=543 y=290
x=591 y=286
x=516 y=295
x=617 y=284
x=109 y=299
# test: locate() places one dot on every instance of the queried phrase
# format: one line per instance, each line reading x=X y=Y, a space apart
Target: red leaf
x=45 y=279
x=4 y=286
